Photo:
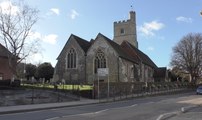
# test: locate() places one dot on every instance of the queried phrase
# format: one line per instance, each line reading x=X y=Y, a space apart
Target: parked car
x=199 y=90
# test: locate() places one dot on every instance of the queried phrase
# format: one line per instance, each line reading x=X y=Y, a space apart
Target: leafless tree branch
x=15 y=27
x=187 y=55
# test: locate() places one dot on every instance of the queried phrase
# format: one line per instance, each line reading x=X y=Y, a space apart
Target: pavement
x=34 y=107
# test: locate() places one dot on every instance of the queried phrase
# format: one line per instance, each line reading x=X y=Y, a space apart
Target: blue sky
x=160 y=24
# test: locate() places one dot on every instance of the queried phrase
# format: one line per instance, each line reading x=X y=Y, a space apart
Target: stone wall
x=126 y=71
x=111 y=60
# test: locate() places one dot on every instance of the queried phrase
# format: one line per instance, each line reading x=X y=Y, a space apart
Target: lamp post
x=201 y=12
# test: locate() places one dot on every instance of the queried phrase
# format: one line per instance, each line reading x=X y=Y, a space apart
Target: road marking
x=134 y=105
x=101 y=111
x=52 y=118
x=150 y=102
x=83 y=114
x=34 y=111
x=98 y=112
x=166 y=115
x=120 y=107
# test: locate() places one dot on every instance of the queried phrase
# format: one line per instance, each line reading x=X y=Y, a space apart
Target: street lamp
x=201 y=12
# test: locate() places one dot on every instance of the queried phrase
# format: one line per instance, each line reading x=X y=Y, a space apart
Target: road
x=148 y=108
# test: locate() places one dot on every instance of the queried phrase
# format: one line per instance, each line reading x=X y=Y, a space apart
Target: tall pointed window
x=71 y=59
x=99 y=61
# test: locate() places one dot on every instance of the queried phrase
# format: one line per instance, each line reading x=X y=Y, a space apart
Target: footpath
x=34 y=107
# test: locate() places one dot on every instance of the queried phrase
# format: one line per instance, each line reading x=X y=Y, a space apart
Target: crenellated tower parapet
x=123 y=22
x=125 y=30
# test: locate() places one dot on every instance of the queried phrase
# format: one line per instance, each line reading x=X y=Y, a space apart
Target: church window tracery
x=71 y=59
x=99 y=61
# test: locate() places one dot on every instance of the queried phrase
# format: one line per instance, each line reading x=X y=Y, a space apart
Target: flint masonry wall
x=75 y=75
x=116 y=65
x=126 y=30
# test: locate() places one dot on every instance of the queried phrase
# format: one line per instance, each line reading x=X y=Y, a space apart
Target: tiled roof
x=137 y=54
x=125 y=50
x=130 y=51
x=84 y=44
x=120 y=51
x=160 y=72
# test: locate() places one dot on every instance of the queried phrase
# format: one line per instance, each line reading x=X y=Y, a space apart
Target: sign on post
x=103 y=71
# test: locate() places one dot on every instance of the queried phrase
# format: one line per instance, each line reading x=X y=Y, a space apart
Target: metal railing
x=125 y=90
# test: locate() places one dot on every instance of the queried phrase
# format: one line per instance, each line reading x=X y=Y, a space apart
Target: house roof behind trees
x=4 y=52
x=160 y=72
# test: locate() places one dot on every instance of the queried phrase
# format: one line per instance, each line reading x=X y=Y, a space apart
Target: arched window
x=99 y=61
x=71 y=59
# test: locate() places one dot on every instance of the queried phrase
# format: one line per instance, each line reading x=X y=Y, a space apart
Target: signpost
x=103 y=72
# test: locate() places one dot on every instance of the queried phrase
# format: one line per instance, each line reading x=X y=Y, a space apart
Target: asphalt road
x=149 y=108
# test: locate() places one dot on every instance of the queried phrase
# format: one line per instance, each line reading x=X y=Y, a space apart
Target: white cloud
x=150 y=48
x=35 y=35
x=184 y=19
x=9 y=8
x=36 y=58
x=149 y=28
x=74 y=14
x=51 y=39
x=55 y=11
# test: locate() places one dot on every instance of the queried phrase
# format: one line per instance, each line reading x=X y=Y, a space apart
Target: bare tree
x=16 y=21
x=187 y=55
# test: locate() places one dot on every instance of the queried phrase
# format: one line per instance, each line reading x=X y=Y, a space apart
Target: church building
x=80 y=59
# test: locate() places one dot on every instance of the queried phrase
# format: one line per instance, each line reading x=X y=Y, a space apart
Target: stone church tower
x=126 y=30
